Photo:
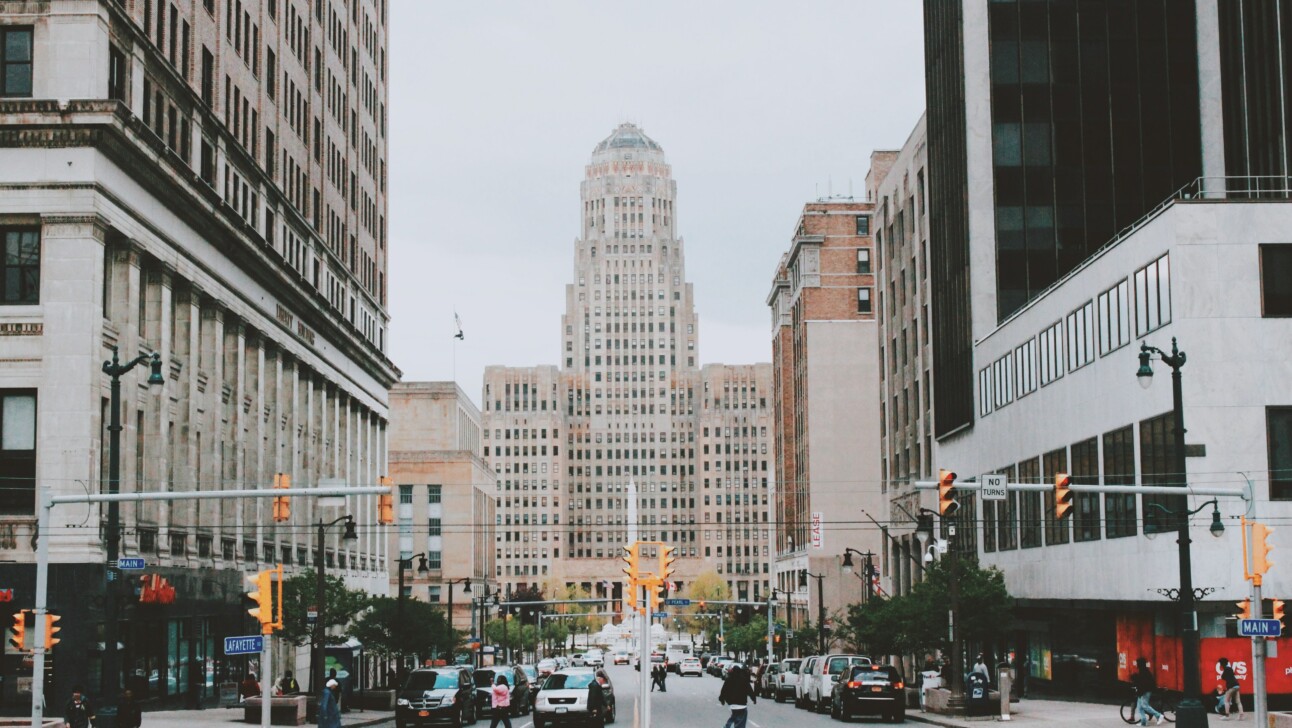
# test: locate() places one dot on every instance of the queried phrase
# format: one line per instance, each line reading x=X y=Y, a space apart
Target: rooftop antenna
x=817 y=188
x=829 y=186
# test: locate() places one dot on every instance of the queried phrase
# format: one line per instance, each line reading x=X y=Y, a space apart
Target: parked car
x=517 y=681
x=436 y=696
x=621 y=658
x=576 y=660
x=690 y=666
x=870 y=690
x=716 y=664
x=824 y=674
x=727 y=666
x=767 y=680
x=656 y=658
x=573 y=696
x=800 y=685
x=547 y=667
x=786 y=677
x=594 y=658
x=562 y=662
x=531 y=672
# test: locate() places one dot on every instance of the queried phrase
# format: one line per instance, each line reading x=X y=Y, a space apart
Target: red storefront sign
x=1135 y=639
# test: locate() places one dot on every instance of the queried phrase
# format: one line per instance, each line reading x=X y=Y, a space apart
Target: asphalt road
x=692 y=702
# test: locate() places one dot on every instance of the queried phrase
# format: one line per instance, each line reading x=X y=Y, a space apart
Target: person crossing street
x=737 y=692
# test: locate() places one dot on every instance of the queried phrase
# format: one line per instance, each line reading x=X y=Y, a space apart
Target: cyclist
x=1145 y=684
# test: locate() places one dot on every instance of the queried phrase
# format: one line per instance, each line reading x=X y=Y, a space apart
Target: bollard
x=1005 y=680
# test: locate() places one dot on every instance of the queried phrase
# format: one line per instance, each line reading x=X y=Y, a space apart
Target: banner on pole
x=818 y=530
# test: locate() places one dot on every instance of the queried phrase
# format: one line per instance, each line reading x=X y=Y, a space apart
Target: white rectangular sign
x=818 y=530
x=994 y=487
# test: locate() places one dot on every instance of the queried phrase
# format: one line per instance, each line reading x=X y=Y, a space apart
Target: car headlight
x=403 y=702
x=448 y=700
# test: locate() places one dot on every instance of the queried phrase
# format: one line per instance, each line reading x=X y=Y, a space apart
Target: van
x=822 y=676
x=805 y=669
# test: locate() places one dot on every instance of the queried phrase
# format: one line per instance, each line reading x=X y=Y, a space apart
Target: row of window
x=1100 y=325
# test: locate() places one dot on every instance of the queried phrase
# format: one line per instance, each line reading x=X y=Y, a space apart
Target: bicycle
x=1160 y=700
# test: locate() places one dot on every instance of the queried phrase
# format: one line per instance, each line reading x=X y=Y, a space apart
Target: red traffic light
x=946 y=483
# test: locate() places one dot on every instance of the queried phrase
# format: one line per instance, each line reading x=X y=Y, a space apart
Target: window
x=1029 y=517
x=434 y=560
x=1114 y=318
x=863 y=300
x=117 y=72
x=1081 y=337
x=208 y=78
x=863 y=260
x=18 y=451
x=1007 y=514
x=433 y=493
x=1119 y=469
x=1003 y=380
x=1085 y=506
x=20 y=267
x=15 y=62
x=863 y=224
x=985 y=400
x=1050 y=342
x=1025 y=367
x=434 y=527
x=1276 y=280
x=1279 y=435
x=1152 y=296
x=1158 y=467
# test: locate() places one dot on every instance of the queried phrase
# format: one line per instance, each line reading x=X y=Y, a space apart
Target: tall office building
x=206 y=181
x=1104 y=175
x=627 y=405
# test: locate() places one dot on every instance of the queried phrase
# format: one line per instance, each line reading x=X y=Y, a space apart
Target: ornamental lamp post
x=422 y=568
x=820 y=605
x=110 y=678
x=316 y=651
x=869 y=569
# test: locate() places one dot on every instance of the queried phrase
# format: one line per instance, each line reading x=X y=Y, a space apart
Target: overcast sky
x=495 y=108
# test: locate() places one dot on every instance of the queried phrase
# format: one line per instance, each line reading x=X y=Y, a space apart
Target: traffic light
x=282 y=503
x=654 y=590
x=1244 y=609
x=701 y=605
x=51 y=629
x=632 y=568
x=946 y=483
x=1278 y=610
x=386 y=502
x=263 y=596
x=19 y=629
x=1062 y=496
x=1260 y=551
x=666 y=559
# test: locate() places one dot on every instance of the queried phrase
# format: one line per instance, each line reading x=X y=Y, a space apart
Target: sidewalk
x=1031 y=712
x=233 y=716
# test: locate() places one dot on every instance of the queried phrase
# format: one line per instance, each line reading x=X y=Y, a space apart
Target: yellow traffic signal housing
x=946 y=484
x=386 y=502
x=19 y=629
x=632 y=568
x=1244 y=609
x=282 y=503
x=1260 y=549
x=263 y=596
x=1062 y=496
x=1278 y=610
x=51 y=629
x=666 y=559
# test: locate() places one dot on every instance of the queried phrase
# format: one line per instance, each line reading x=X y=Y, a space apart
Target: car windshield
x=875 y=674
x=571 y=681
x=431 y=681
x=839 y=664
x=530 y=670
x=486 y=678
x=792 y=665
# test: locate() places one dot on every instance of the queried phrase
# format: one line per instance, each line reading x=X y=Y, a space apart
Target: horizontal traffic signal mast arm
x=1222 y=491
x=57 y=500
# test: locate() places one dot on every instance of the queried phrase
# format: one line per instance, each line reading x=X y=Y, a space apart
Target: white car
x=567 y=697
x=822 y=676
x=622 y=658
x=785 y=681
x=546 y=667
x=800 y=685
x=576 y=660
x=690 y=666
x=594 y=658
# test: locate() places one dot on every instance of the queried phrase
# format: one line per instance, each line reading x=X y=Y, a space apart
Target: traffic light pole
x=266 y=671
x=47 y=503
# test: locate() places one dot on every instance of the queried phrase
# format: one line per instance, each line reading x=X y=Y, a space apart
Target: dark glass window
x=117 y=73
x=18 y=451
x=1119 y=469
x=1085 y=506
x=1056 y=531
x=1007 y=514
x=1029 y=471
x=1158 y=467
x=20 y=266
x=15 y=62
x=1253 y=40
x=863 y=224
x=1276 y=280
x=1279 y=424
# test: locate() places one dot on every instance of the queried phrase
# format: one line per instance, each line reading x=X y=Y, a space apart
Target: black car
x=522 y=700
x=870 y=690
x=437 y=696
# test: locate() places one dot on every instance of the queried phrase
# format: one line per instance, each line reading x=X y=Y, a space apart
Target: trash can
x=977 y=695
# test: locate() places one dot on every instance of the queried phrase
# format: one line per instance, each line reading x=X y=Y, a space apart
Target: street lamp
x=111 y=675
x=316 y=651
x=422 y=568
x=772 y=602
x=479 y=609
x=869 y=571
x=465 y=590
x=1190 y=711
x=820 y=605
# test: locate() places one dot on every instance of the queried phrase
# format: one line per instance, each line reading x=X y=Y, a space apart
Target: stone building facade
x=166 y=190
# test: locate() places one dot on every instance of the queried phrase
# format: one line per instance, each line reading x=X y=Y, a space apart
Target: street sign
x=678 y=602
x=131 y=562
x=1259 y=627
x=995 y=487
x=249 y=645
x=311 y=614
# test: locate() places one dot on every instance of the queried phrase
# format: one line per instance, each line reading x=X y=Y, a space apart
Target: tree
x=707 y=586
x=340 y=605
x=529 y=613
x=423 y=630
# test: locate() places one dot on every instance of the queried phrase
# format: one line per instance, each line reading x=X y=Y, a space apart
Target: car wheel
x=900 y=716
x=778 y=697
x=834 y=710
x=538 y=722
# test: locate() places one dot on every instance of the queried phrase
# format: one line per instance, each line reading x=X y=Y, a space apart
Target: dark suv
x=869 y=690
x=522 y=700
x=437 y=696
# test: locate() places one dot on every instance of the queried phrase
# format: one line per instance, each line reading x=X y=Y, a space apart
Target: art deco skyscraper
x=630 y=404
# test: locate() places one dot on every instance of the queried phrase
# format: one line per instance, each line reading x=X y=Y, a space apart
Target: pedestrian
x=78 y=713
x=656 y=681
x=1145 y=684
x=1231 y=697
x=736 y=694
x=980 y=667
x=128 y=713
x=287 y=684
x=500 y=702
x=249 y=687
x=329 y=707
